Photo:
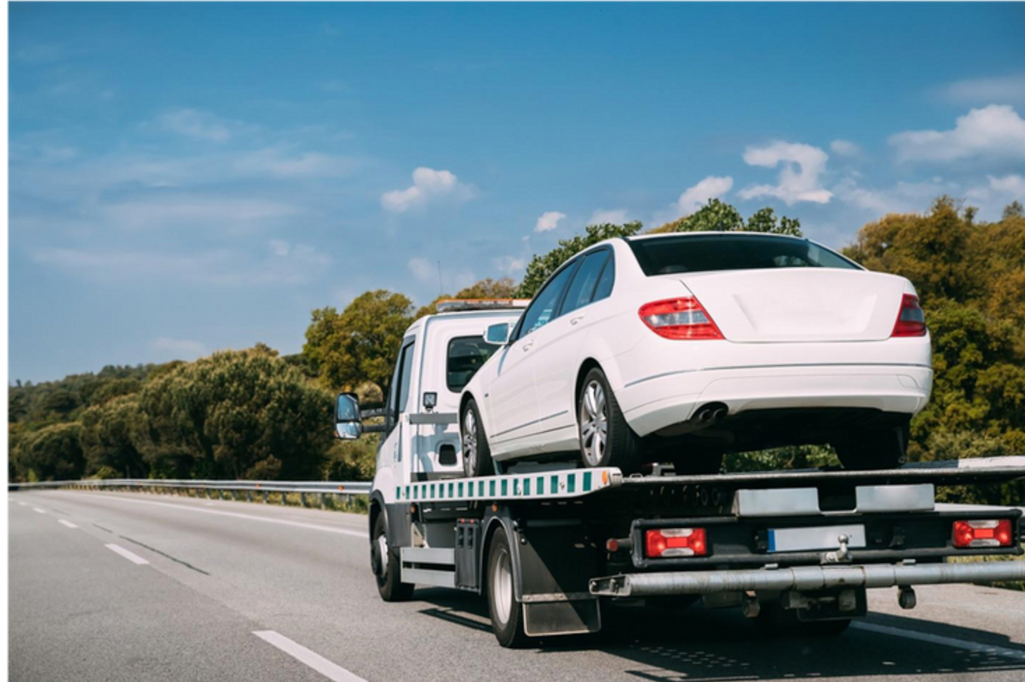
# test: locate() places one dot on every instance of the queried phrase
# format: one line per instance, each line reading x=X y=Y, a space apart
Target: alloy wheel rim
x=594 y=423
x=501 y=579
x=470 y=442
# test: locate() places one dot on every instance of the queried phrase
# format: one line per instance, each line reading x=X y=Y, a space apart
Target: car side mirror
x=348 y=423
x=497 y=334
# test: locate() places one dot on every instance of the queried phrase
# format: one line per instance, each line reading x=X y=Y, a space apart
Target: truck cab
x=439 y=355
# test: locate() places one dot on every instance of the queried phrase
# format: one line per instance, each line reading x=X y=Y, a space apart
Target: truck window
x=398 y=394
x=466 y=354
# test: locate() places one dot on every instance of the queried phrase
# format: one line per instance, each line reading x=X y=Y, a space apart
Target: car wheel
x=506 y=612
x=386 y=565
x=886 y=449
x=476 y=451
x=606 y=440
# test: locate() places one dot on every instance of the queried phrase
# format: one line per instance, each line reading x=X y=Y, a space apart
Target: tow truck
x=548 y=544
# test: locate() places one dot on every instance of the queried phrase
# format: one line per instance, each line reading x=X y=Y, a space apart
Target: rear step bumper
x=803 y=578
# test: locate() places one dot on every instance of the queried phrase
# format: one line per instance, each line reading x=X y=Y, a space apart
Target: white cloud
x=845 y=148
x=452 y=279
x=695 y=197
x=193 y=210
x=1003 y=89
x=200 y=125
x=222 y=267
x=277 y=162
x=424 y=270
x=510 y=265
x=801 y=165
x=904 y=197
x=278 y=247
x=613 y=216
x=178 y=349
x=548 y=221
x=998 y=191
x=428 y=185
x=995 y=131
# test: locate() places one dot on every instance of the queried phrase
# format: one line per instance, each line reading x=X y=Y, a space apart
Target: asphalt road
x=138 y=587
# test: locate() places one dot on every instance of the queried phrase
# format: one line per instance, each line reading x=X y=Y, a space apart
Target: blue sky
x=185 y=178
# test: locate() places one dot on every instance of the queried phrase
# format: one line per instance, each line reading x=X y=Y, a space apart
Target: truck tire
x=476 y=451
x=387 y=566
x=883 y=449
x=606 y=440
x=506 y=612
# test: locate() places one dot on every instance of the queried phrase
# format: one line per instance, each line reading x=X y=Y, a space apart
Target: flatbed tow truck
x=547 y=544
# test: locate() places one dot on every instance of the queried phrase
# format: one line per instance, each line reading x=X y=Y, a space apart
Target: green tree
x=1013 y=210
x=361 y=343
x=106 y=437
x=541 y=267
x=52 y=453
x=718 y=216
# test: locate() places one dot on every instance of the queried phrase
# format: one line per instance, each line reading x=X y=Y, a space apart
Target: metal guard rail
x=302 y=487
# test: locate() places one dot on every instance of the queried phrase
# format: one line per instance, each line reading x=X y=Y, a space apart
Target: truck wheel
x=506 y=612
x=387 y=565
x=606 y=440
x=476 y=451
x=886 y=449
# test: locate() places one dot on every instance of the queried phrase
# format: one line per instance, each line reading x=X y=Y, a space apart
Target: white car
x=682 y=347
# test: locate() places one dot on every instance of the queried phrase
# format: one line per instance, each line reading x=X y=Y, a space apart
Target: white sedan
x=679 y=348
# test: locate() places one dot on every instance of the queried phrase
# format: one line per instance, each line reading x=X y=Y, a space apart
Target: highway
x=107 y=586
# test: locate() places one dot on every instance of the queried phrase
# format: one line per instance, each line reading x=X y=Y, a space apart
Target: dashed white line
x=134 y=558
x=235 y=515
x=23 y=504
x=330 y=670
x=38 y=510
x=941 y=640
x=66 y=523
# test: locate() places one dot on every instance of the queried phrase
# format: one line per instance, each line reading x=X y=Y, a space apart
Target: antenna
x=441 y=284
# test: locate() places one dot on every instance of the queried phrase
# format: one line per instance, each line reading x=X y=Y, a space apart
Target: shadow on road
x=721 y=646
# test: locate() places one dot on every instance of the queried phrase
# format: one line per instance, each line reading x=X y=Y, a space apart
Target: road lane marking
x=23 y=504
x=66 y=523
x=941 y=640
x=38 y=510
x=134 y=558
x=236 y=515
x=311 y=659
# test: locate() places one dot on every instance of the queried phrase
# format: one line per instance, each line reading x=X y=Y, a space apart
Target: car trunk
x=799 y=304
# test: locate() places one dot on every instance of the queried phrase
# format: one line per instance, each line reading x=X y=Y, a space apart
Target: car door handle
x=527 y=346
x=575 y=320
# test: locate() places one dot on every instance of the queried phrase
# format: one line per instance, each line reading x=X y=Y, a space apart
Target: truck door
x=395 y=451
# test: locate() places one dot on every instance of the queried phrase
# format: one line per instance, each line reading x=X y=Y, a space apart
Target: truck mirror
x=497 y=334
x=348 y=423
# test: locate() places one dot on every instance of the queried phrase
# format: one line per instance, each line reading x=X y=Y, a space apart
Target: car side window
x=606 y=280
x=582 y=288
x=545 y=306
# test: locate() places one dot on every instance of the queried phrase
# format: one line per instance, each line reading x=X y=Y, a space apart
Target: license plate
x=818 y=537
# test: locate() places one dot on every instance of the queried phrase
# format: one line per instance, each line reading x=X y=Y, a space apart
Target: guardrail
x=345 y=489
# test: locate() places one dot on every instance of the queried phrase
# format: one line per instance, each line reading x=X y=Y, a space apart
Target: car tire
x=386 y=564
x=506 y=613
x=884 y=449
x=476 y=451
x=606 y=440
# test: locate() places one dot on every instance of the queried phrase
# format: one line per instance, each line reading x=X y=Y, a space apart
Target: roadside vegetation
x=255 y=414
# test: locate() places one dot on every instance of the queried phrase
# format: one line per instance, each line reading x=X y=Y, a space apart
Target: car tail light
x=988 y=533
x=679 y=318
x=672 y=542
x=911 y=320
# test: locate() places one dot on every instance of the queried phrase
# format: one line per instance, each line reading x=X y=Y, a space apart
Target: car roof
x=713 y=233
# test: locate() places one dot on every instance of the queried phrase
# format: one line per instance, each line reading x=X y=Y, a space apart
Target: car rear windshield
x=704 y=253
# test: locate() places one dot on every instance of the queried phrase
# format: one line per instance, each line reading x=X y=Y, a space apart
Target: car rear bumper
x=660 y=401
